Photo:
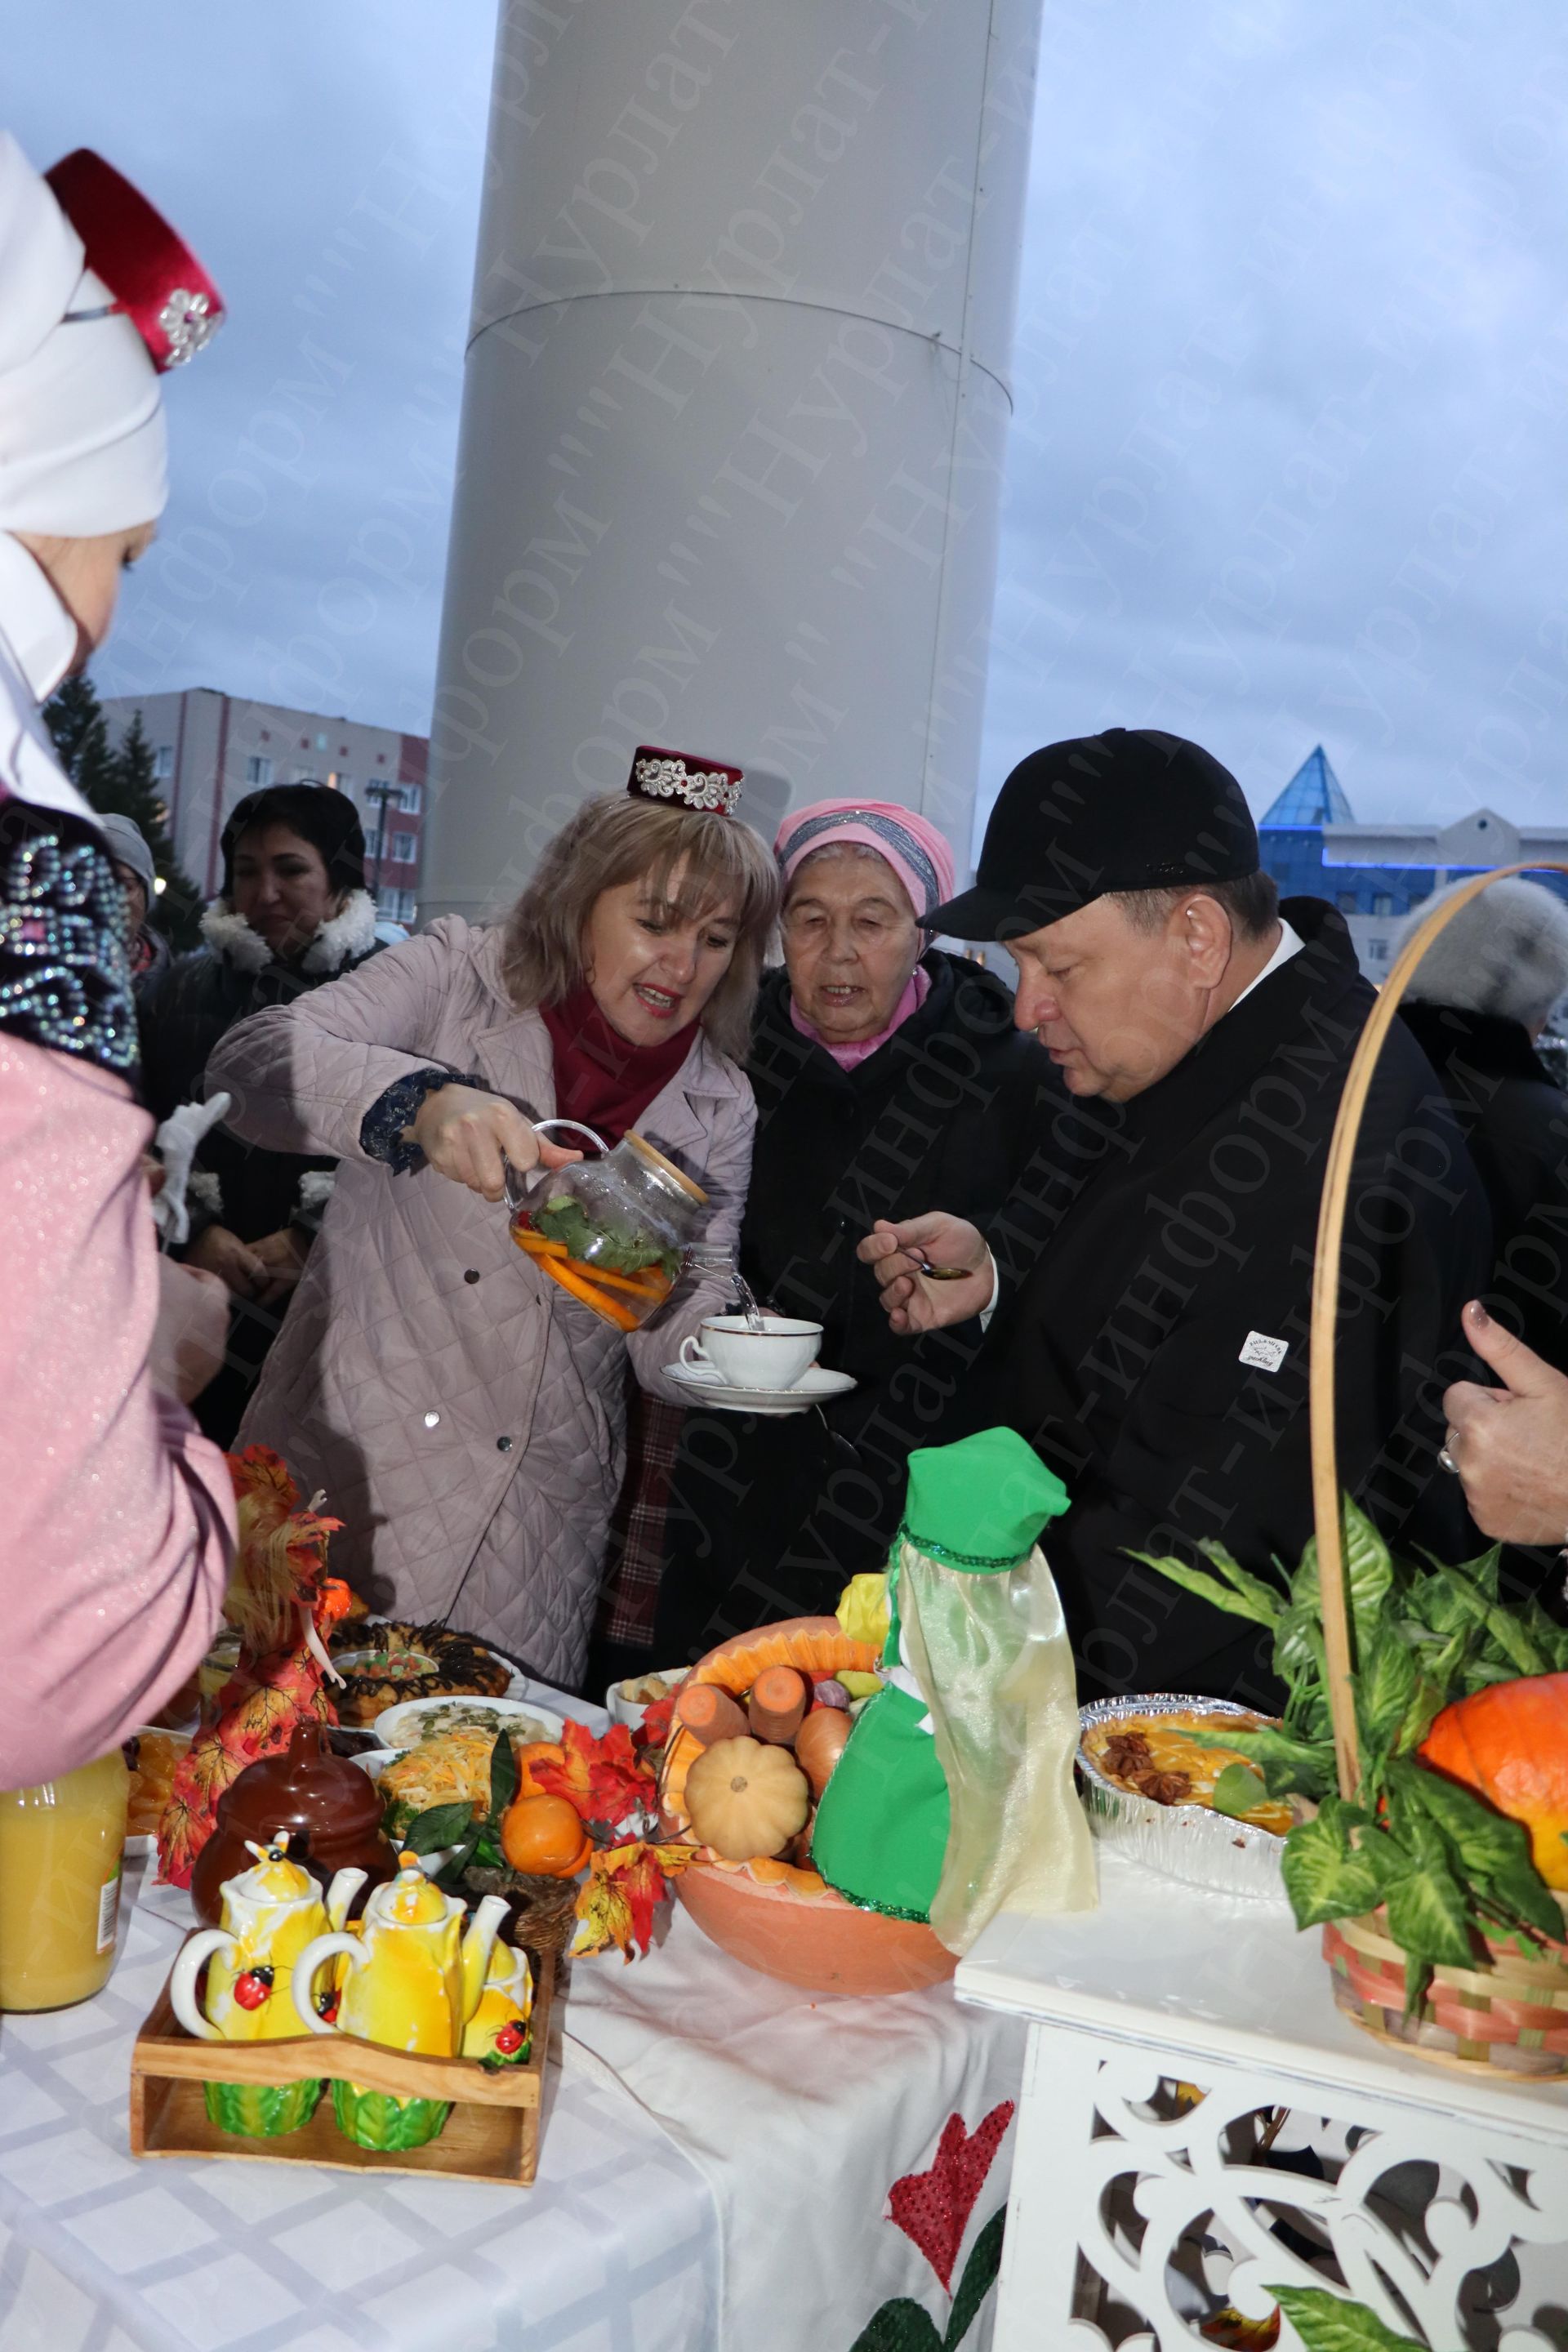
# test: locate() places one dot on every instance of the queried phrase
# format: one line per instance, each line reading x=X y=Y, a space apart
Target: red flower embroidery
x=933 y=2208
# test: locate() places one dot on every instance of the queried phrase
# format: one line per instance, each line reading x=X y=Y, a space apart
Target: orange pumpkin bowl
x=783 y=1921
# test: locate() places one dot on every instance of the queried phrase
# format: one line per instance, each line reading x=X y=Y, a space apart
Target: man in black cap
x=1152 y=1288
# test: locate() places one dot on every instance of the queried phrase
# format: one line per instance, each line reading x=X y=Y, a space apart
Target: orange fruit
x=544 y=1837
x=537 y=1751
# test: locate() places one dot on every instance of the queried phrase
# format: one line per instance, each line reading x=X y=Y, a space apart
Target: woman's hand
x=190 y=1332
x=1511 y=1443
x=235 y=1262
x=469 y=1136
x=283 y=1255
x=895 y=1253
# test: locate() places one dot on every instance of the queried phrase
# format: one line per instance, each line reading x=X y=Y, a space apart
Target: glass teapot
x=617 y=1232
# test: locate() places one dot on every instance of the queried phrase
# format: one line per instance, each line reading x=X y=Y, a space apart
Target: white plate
x=404 y=1724
x=815 y=1386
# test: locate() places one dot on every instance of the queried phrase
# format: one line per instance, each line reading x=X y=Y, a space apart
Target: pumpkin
x=818 y=1645
x=746 y=1797
x=1509 y=1743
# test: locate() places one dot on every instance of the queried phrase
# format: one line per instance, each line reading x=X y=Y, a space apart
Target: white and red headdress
x=154 y=278
x=98 y=296
x=703 y=784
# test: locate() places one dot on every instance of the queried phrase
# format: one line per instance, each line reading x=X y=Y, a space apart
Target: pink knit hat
x=912 y=845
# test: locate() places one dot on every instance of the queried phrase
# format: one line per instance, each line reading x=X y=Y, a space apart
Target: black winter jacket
x=253 y=1192
x=1157 y=1357
x=768 y=1518
x=1515 y=1121
x=197 y=1000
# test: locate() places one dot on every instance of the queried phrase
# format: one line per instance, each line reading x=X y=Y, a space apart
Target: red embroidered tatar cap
x=155 y=278
x=681 y=776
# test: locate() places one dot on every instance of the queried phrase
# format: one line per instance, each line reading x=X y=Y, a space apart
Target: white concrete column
x=734 y=411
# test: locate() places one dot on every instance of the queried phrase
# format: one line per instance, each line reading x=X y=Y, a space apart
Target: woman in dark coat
x=1478 y=1003
x=294 y=913
x=881 y=1066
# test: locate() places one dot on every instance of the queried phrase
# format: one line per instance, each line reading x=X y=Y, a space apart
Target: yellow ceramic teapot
x=410 y=1979
x=498 y=2030
x=272 y=1913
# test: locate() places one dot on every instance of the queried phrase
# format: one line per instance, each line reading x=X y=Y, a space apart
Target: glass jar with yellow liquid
x=60 y=1849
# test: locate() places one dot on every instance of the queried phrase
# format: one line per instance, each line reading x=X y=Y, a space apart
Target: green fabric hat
x=980 y=1504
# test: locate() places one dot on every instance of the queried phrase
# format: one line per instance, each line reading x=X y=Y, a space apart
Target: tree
x=75 y=720
x=121 y=781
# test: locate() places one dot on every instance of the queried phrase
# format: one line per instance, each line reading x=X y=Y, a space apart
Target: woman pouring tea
x=465 y=1410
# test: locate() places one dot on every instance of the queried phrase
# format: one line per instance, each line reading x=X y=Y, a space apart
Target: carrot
x=656 y=1288
x=710 y=1714
x=537 y=1246
x=621 y=1316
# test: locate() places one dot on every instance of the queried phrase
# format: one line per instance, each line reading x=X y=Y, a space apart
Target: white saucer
x=815 y=1386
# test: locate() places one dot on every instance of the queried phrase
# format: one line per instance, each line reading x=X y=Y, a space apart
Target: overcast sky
x=1288 y=463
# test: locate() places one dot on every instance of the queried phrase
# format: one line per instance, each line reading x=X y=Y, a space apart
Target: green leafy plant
x=1450 y=1870
x=1327 y=2323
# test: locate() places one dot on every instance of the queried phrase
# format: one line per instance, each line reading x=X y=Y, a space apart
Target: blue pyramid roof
x=1314 y=795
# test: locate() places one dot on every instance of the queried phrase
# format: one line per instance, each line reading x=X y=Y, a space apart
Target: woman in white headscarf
x=116 y=1522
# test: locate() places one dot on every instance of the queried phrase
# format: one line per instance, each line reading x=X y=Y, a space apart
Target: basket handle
x=1328 y=1511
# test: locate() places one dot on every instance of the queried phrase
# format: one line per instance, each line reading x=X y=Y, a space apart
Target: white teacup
x=773 y=1358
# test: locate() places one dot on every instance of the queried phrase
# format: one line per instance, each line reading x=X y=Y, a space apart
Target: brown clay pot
x=331 y=1809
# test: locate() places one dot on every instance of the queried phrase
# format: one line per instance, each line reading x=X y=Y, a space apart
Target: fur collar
x=338 y=942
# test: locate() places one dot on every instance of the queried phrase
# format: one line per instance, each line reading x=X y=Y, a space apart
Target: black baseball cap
x=1129 y=810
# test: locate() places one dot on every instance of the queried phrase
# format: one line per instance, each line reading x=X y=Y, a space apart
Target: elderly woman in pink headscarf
x=879 y=1063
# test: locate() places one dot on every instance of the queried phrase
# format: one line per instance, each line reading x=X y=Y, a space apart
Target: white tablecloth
x=715 y=2169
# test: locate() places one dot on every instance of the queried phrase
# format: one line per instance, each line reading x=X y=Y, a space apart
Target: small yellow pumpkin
x=746 y=1797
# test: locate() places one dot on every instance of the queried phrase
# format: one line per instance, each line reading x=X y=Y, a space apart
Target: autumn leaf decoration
x=610 y=1785
x=282 y=1555
x=282 y=1603
x=625 y=1887
x=607 y=1779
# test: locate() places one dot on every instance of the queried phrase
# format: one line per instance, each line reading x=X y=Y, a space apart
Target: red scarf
x=601 y=1078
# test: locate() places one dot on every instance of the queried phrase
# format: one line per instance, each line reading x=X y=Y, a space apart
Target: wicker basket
x=1508 y=2015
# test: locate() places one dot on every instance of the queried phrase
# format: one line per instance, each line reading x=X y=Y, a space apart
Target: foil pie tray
x=1191 y=1842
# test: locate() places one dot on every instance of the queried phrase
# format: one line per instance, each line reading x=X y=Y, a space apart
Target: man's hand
x=1510 y=1443
x=190 y=1332
x=913 y=1303
x=469 y=1136
x=282 y=1256
x=235 y=1262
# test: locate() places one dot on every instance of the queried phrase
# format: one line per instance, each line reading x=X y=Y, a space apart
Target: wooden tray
x=491 y=2134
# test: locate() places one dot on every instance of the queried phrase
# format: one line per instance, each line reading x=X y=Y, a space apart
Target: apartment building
x=210 y=748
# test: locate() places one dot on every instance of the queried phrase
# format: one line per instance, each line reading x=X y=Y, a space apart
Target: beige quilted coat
x=465 y=1416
